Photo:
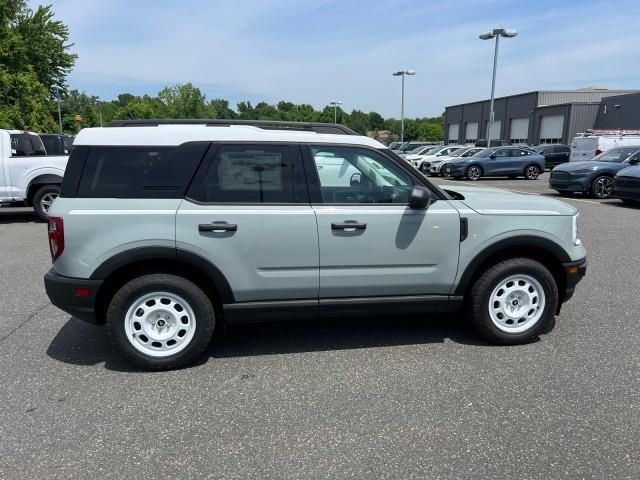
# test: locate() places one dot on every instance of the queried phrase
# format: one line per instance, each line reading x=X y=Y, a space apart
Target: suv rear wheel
x=161 y=321
x=513 y=301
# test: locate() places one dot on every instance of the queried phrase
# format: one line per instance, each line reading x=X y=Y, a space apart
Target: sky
x=316 y=51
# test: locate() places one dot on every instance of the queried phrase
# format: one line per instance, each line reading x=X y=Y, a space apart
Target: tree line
x=36 y=57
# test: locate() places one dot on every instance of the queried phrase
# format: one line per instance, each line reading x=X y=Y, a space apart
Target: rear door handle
x=348 y=226
x=217 y=227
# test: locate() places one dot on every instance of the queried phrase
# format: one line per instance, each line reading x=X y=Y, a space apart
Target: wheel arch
x=40 y=180
x=122 y=267
x=545 y=251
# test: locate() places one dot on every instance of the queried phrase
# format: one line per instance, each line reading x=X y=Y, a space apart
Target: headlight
x=576 y=240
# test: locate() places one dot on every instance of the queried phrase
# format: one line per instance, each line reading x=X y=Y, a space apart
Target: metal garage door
x=454 y=129
x=519 y=130
x=495 y=129
x=471 y=133
x=551 y=128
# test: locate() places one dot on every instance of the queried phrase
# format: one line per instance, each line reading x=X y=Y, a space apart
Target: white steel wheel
x=160 y=324
x=516 y=303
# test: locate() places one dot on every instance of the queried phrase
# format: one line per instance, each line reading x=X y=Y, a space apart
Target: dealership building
x=540 y=117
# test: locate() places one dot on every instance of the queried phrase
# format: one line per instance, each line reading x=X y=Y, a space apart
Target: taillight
x=598 y=151
x=56 y=237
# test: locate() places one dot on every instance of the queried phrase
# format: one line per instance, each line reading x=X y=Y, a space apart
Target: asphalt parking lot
x=385 y=398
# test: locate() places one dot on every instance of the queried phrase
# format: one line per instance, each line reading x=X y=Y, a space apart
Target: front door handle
x=348 y=226
x=217 y=227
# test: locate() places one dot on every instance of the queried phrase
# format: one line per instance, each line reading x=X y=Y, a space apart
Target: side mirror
x=492 y=156
x=419 y=198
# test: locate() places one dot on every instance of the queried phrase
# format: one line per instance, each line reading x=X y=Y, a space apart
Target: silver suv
x=164 y=229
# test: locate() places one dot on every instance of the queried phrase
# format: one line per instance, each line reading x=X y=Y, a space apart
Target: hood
x=494 y=201
x=587 y=165
x=630 y=172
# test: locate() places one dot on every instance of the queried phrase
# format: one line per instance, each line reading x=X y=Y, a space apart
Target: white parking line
x=528 y=193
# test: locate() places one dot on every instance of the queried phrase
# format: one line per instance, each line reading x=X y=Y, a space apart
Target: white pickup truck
x=28 y=176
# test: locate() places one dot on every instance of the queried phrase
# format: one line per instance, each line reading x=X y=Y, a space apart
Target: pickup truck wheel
x=513 y=301
x=473 y=173
x=160 y=321
x=43 y=199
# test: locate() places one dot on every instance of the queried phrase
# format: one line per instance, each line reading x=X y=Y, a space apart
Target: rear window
x=53 y=144
x=139 y=172
x=25 y=145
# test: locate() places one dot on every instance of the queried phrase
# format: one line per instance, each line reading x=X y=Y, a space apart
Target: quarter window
x=355 y=175
x=139 y=172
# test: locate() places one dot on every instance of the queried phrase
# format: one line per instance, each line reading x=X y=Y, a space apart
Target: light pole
x=335 y=104
x=99 y=105
x=402 y=73
x=59 y=112
x=495 y=33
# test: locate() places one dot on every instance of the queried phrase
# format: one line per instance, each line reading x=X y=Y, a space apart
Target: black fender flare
x=522 y=241
x=46 y=179
x=179 y=256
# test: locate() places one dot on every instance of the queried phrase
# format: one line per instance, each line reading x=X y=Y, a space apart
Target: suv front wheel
x=160 y=321
x=513 y=301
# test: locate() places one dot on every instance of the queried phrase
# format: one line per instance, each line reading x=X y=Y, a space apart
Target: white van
x=587 y=145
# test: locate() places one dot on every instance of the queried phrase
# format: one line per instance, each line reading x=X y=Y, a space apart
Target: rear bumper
x=574 y=272
x=76 y=296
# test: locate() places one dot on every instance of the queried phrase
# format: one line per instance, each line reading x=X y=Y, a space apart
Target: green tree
x=183 y=101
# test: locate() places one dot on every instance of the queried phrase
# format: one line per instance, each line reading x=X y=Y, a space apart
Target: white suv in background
x=436 y=164
x=433 y=154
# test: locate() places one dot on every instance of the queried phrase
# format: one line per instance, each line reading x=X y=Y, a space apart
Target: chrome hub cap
x=603 y=187
x=160 y=324
x=46 y=201
x=517 y=303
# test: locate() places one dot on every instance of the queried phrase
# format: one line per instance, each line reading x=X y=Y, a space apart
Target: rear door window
x=25 y=145
x=252 y=173
x=140 y=172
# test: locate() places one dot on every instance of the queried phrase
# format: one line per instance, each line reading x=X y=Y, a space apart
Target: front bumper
x=627 y=188
x=570 y=183
x=574 y=272
x=76 y=296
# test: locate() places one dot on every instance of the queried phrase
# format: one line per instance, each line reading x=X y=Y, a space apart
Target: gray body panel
x=273 y=255
x=401 y=251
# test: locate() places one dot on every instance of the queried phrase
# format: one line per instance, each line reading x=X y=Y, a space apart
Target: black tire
x=532 y=172
x=444 y=171
x=423 y=168
x=41 y=199
x=200 y=304
x=473 y=173
x=601 y=187
x=478 y=302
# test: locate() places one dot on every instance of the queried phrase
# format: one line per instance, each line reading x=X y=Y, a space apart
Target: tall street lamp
x=99 y=105
x=335 y=104
x=402 y=73
x=495 y=33
x=59 y=112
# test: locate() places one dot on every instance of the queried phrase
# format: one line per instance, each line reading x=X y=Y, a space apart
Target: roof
x=177 y=134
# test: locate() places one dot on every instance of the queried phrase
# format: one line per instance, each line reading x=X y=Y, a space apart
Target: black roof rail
x=317 y=127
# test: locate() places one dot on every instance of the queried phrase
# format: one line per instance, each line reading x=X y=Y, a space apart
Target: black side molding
x=464 y=228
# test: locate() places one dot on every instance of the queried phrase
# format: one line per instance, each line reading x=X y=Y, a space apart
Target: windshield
x=615 y=155
x=485 y=152
x=469 y=153
x=26 y=145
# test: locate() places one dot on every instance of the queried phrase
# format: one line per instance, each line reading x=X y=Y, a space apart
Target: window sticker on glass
x=250 y=171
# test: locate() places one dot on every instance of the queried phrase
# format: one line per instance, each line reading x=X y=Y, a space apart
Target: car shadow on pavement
x=80 y=343
x=8 y=216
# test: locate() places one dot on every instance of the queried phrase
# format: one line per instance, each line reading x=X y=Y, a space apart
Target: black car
x=56 y=144
x=626 y=185
x=553 y=155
